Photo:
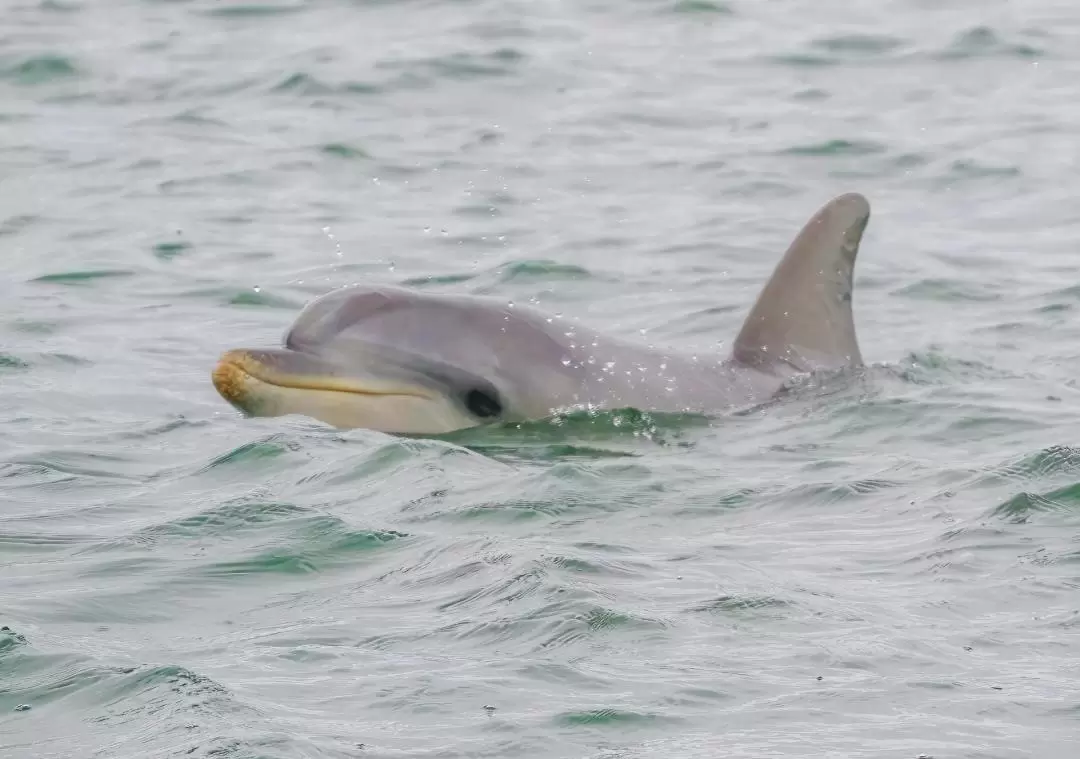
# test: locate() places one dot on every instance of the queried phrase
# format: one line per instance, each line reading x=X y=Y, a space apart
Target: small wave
x=859 y=44
x=315 y=545
x=41 y=69
x=1046 y=464
x=582 y=433
x=514 y=272
x=946 y=290
x=247 y=297
x=83 y=277
x=701 y=7
x=170 y=249
x=542 y=270
x=35 y=678
x=270 y=447
x=10 y=640
x=60 y=467
x=837 y=148
x=974 y=170
x=111 y=698
x=1023 y=506
x=13 y=225
x=616 y=719
x=222 y=521
x=743 y=606
x=9 y=362
x=228 y=10
x=597 y=565
x=408 y=74
x=821 y=494
x=555 y=489
x=510 y=589
x=963 y=552
x=344 y=150
x=931 y=366
x=552 y=625
x=304 y=84
x=984 y=42
x=40 y=541
x=462 y=65
x=59 y=6
x=975 y=43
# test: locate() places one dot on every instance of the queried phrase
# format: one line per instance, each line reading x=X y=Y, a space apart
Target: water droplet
x=330 y=235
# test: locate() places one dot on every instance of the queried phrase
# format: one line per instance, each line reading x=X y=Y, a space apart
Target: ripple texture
x=888 y=567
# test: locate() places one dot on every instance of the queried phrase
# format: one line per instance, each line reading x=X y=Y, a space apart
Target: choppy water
x=888 y=570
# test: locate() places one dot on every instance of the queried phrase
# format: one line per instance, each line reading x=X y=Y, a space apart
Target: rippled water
x=888 y=569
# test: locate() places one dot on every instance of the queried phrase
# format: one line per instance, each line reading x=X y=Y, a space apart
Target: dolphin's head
x=405 y=362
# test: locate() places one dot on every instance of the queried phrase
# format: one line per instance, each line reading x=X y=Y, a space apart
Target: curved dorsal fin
x=803 y=315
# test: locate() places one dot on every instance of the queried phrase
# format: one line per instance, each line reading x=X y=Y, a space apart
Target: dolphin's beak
x=262 y=382
x=236 y=369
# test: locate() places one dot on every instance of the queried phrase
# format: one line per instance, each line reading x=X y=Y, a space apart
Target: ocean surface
x=884 y=569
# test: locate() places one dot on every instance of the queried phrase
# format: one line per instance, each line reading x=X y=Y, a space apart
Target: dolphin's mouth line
x=234 y=367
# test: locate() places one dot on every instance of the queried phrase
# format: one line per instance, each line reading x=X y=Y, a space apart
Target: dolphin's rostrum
x=402 y=361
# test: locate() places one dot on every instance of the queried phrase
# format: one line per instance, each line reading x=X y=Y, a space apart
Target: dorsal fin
x=803 y=315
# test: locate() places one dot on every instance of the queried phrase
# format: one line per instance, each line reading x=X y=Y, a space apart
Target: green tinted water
x=890 y=568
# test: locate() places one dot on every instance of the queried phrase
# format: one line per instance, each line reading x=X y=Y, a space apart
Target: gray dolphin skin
x=406 y=362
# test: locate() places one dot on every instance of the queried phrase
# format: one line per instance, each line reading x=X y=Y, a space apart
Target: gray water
x=889 y=568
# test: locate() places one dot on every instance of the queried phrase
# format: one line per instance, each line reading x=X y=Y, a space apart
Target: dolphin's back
x=801 y=322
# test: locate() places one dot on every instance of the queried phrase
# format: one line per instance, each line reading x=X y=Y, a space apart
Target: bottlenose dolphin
x=407 y=362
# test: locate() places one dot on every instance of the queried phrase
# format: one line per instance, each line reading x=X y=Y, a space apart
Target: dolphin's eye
x=482 y=404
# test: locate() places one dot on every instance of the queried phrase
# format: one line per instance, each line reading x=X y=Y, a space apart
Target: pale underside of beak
x=281 y=382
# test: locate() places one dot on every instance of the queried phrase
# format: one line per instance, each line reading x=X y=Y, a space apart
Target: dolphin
x=406 y=362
